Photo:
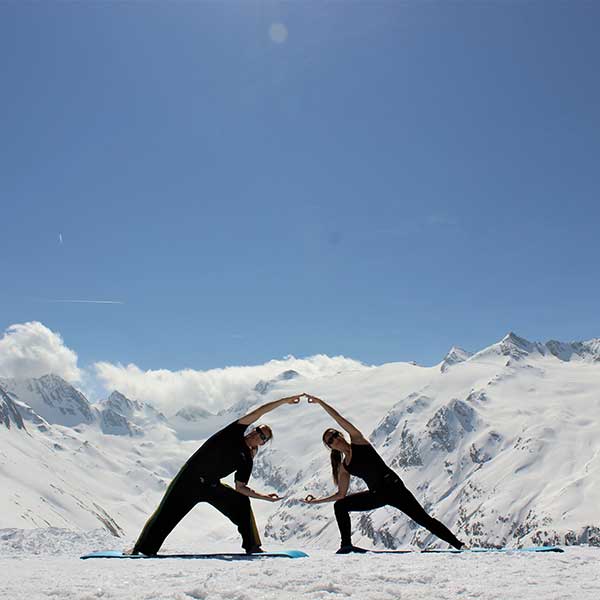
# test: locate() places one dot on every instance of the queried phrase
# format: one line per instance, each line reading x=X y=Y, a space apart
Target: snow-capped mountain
x=454 y=356
x=502 y=445
x=118 y=415
x=51 y=398
x=9 y=413
x=194 y=422
x=518 y=348
x=193 y=414
x=67 y=475
x=589 y=350
x=262 y=387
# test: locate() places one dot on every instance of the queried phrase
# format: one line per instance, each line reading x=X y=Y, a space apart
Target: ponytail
x=336 y=455
x=336 y=461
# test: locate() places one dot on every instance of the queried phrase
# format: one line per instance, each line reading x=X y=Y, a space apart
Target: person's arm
x=243 y=489
x=257 y=413
x=343 y=483
x=356 y=436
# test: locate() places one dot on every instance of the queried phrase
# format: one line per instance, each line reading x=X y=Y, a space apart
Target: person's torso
x=368 y=465
x=222 y=454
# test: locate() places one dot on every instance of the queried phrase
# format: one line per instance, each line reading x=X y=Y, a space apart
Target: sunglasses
x=262 y=435
x=329 y=439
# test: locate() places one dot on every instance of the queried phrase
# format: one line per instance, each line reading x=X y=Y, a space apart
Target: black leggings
x=181 y=496
x=393 y=494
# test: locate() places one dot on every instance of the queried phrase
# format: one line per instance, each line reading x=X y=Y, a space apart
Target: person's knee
x=242 y=507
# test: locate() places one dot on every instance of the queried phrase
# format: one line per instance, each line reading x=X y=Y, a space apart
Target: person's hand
x=310 y=499
x=292 y=399
x=273 y=498
x=313 y=399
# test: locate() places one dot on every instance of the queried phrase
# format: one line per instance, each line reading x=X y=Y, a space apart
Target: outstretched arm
x=355 y=435
x=257 y=413
x=343 y=483
x=243 y=489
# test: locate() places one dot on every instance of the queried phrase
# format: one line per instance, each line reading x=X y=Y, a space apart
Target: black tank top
x=368 y=465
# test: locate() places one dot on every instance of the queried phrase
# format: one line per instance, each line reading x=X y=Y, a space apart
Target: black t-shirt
x=222 y=454
x=368 y=465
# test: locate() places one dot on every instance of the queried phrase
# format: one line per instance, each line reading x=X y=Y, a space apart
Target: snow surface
x=37 y=564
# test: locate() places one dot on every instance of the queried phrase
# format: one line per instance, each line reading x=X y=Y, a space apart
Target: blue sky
x=390 y=179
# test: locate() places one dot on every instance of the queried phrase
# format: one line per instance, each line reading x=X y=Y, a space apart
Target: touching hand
x=273 y=498
x=310 y=499
x=313 y=399
x=292 y=399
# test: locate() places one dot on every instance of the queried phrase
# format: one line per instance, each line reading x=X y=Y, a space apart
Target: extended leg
x=236 y=507
x=401 y=498
x=353 y=502
x=178 y=500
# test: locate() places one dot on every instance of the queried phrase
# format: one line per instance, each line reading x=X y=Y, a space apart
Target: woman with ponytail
x=385 y=487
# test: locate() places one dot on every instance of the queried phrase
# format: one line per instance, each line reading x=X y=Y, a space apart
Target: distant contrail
x=83 y=301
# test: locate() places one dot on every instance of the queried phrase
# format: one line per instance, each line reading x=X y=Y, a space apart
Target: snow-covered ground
x=44 y=563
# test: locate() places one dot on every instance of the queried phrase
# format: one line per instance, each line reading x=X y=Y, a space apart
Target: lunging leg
x=408 y=504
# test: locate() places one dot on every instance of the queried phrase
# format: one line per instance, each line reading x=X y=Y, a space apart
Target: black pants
x=181 y=496
x=393 y=494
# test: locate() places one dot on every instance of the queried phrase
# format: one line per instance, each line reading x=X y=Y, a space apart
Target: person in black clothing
x=228 y=450
x=385 y=487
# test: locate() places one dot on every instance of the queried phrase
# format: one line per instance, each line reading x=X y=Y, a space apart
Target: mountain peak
x=455 y=355
x=52 y=398
x=514 y=346
x=121 y=403
x=513 y=338
x=121 y=416
x=117 y=396
x=262 y=387
x=589 y=350
x=51 y=380
x=9 y=414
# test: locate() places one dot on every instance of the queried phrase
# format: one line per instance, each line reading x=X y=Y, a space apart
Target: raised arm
x=355 y=435
x=257 y=413
x=343 y=483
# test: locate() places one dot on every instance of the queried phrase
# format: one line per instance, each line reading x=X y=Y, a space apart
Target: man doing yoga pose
x=228 y=450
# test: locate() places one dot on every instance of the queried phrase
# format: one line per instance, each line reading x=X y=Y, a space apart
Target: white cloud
x=214 y=389
x=32 y=350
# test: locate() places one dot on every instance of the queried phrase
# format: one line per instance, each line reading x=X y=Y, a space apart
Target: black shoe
x=254 y=550
x=349 y=549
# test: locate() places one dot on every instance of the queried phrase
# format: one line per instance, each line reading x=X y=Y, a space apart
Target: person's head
x=336 y=442
x=334 y=439
x=259 y=436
